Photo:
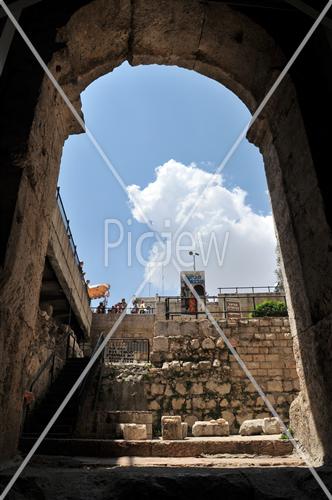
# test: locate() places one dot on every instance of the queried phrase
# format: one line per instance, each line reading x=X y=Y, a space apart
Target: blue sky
x=143 y=117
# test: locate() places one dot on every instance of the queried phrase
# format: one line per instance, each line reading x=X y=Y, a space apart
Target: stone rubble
x=171 y=427
x=260 y=426
x=134 y=432
x=211 y=428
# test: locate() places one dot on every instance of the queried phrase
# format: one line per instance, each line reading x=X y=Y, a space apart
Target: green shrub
x=270 y=308
x=285 y=437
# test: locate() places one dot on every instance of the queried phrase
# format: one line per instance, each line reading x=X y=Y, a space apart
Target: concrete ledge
x=190 y=447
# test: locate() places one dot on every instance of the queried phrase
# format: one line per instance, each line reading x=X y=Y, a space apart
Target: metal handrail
x=99 y=341
x=65 y=221
x=91 y=374
x=52 y=358
x=252 y=289
x=109 y=310
x=67 y=226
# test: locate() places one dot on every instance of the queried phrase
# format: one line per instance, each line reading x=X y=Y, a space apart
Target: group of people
x=140 y=308
x=117 y=308
x=101 y=309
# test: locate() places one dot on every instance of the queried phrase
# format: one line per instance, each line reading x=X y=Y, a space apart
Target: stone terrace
x=193 y=374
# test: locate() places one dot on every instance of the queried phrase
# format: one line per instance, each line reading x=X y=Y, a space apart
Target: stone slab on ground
x=252 y=427
x=217 y=427
x=133 y=432
x=108 y=422
x=257 y=426
x=271 y=426
x=190 y=447
x=171 y=428
x=184 y=428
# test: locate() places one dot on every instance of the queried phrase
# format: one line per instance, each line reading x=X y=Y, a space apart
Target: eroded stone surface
x=271 y=426
x=119 y=483
x=217 y=427
x=133 y=432
x=171 y=427
x=252 y=427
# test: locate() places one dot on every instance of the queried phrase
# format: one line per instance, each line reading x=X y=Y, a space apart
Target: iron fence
x=127 y=350
x=129 y=310
x=250 y=289
x=223 y=306
x=67 y=226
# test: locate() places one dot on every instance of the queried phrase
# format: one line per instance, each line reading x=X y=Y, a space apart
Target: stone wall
x=133 y=326
x=192 y=372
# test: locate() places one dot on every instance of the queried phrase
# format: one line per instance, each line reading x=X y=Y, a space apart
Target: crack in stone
x=204 y=5
x=131 y=33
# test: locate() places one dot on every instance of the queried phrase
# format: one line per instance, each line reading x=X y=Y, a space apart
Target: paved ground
x=64 y=478
x=222 y=461
x=190 y=447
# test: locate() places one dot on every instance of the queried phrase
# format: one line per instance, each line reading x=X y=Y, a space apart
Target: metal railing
x=51 y=359
x=129 y=310
x=229 y=306
x=49 y=363
x=67 y=226
x=127 y=350
x=249 y=289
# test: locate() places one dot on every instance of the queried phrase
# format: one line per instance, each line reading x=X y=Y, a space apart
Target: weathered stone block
x=251 y=427
x=109 y=422
x=133 y=432
x=160 y=344
x=198 y=403
x=155 y=357
x=161 y=328
x=184 y=427
x=271 y=426
x=181 y=388
x=197 y=388
x=171 y=427
x=177 y=403
x=194 y=344
x=175 y=365
x=274 y=386
x=208 y=343
x=154 y=405
x=189 y=328
x=217 y=427
x=221 y=389
x=204 y=365
x=157 y=389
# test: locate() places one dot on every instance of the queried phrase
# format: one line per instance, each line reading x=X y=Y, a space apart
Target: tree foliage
x=270 y=308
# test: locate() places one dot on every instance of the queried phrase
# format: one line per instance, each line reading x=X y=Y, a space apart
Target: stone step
x=190 y=447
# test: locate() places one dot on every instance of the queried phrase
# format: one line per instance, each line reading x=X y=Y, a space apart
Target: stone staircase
x=64 y=426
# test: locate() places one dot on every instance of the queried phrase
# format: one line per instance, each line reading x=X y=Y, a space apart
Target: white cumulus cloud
x=236 y=245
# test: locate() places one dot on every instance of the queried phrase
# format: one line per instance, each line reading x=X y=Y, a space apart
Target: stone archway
x=220 y=43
